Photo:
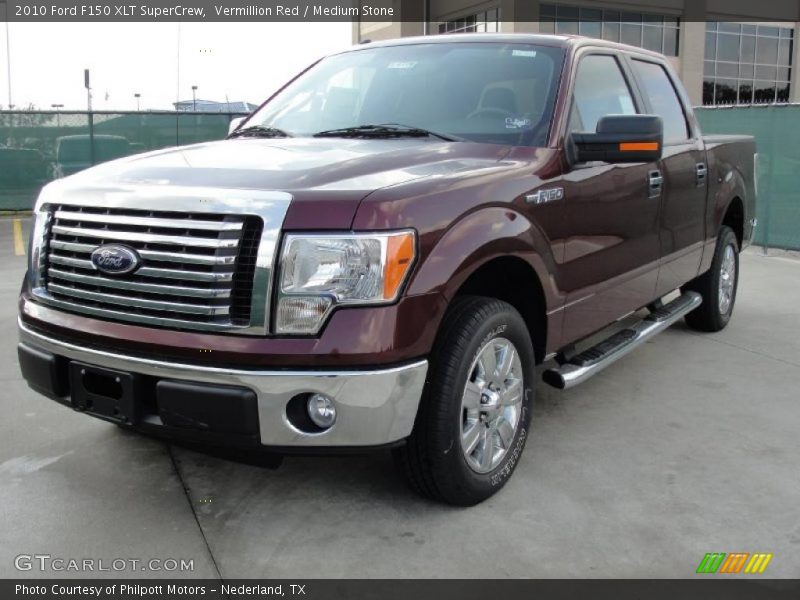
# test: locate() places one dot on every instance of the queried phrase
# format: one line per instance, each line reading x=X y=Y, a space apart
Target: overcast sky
x=243 y=61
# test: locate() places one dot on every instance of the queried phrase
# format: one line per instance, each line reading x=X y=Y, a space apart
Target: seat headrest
x=499 y=97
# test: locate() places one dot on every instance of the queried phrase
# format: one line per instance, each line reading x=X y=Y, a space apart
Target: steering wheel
x=490 y=111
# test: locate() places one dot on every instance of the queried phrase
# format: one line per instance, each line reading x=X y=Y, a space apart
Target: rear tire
x=473 y=418
x=717 y=286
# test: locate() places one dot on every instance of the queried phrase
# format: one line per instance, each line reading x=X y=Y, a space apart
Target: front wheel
x=717 y=286
x=473 y=419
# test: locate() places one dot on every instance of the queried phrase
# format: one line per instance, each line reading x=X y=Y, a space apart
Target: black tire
x=709 y=316
x=432 y=460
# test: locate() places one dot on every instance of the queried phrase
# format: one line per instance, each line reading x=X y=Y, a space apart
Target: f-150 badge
x=545 y=196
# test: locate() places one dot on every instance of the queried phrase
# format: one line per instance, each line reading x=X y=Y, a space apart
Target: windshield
x=484 y=92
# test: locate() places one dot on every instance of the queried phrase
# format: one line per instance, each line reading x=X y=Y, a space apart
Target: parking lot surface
x=688 y=445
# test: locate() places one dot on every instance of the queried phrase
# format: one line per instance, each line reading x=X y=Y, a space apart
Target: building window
x=487 y=21
x=645 y=30
x=747 y=64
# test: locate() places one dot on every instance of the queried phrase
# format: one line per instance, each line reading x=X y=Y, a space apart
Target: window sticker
x=517 y=122
x=402 y=65
x=528 y=53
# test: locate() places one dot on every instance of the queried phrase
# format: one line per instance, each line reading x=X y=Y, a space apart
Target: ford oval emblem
x=115 y=259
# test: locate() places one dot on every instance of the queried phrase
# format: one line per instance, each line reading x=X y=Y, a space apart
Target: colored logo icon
x=115 y=259
x=733 y=563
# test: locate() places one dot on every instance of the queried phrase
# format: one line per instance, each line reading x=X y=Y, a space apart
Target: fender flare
x=476 y=239
x=732 y=187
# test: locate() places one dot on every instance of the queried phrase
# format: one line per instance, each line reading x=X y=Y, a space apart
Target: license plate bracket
x=105 y=393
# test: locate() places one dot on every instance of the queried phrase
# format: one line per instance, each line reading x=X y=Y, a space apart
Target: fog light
x=321 y=410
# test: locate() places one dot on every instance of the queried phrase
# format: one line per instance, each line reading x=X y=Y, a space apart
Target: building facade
x=214 y=107
x=725 y=51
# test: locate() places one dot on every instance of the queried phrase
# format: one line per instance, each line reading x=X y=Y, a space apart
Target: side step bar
x=590 y=362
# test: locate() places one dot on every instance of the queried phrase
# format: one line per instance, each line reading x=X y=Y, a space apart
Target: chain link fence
x=37 y=147
x=776 y=128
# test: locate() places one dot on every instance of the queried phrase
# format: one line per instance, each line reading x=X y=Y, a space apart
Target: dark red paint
x=602 y=251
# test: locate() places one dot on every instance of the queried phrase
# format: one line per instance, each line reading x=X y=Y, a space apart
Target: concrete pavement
x=688 y=445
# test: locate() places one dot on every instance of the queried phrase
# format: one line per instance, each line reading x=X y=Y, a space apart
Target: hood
x=297 y=164
x=327 y=178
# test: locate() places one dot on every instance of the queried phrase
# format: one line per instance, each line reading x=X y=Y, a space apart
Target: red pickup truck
x=386 y=251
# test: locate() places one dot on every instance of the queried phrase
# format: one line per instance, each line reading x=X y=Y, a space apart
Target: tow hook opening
x=101 y=385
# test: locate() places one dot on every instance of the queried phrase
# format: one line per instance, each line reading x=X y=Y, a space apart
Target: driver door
x=611 y=257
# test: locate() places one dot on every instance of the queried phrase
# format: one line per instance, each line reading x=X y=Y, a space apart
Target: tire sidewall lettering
x=505 y=470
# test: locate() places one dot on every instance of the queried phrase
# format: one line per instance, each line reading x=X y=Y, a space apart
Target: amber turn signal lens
x=638 y=146
x=399 y=256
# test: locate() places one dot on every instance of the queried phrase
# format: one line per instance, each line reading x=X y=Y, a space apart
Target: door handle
x=655 y=181
x=702 y=174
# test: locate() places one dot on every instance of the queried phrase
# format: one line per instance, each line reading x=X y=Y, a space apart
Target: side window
x=600 y=90
x=663 y=99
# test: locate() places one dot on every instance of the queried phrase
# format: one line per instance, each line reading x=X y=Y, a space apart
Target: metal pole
x=91 y=137
x=56 y=107
x=87 y=83
x=178 y=68
x=178 y=87
x=8 y=56
x=770 y=174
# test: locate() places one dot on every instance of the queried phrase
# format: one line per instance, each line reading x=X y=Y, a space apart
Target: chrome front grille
x=196 y=270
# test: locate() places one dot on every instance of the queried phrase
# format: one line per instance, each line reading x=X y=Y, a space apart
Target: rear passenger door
x=685 y=173
x=610 y=262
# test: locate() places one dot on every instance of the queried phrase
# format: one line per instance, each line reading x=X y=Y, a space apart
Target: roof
x=560 y=41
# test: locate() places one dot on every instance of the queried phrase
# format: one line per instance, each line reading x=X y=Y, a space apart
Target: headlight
x=319 y=272
x=36 y=247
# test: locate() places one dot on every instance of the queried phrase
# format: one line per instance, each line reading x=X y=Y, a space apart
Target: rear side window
x=659 y=90
x=600 y=90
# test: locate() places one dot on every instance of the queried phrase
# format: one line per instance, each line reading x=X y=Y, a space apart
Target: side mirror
x=620 y=139
x=234 y=124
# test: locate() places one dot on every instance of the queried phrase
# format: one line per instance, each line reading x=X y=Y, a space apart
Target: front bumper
x=375 y=407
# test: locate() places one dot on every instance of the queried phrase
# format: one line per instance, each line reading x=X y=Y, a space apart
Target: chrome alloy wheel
x=491 y=405
x=727 y=279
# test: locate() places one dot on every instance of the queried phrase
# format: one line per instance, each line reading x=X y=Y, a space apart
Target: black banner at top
x=210 y=10
x=359 y=10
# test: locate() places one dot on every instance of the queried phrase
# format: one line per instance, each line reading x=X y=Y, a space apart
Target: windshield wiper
x=386 y=130
x=260 y=131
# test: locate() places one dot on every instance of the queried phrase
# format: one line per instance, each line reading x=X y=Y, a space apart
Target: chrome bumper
x=375 y=407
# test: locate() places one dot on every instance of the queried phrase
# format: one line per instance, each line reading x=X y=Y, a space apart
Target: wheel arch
x=494 y=252
x=734 y=218
x=512 y=280
x=732 y=206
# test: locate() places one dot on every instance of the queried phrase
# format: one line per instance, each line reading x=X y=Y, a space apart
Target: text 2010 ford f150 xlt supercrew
x=382 y=254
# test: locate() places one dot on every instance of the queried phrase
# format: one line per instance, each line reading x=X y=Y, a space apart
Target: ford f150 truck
x=386 y=251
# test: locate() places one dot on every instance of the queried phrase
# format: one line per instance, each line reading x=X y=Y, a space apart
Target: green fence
x=777 y=131
x=37 y=147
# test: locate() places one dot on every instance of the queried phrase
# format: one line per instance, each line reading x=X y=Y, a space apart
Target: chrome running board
x=590 y=362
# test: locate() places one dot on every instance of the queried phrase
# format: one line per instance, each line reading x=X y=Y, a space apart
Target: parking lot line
x=19 y=245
